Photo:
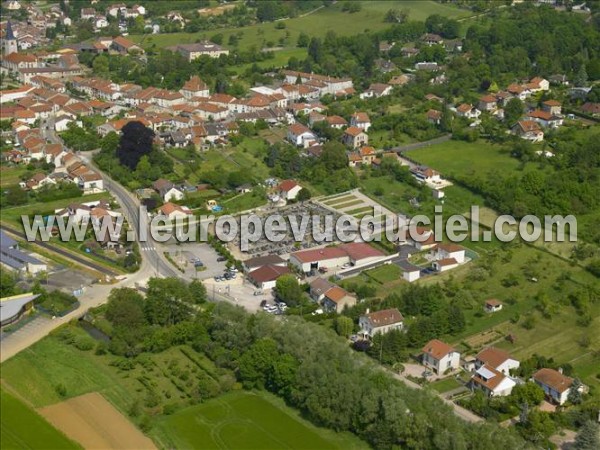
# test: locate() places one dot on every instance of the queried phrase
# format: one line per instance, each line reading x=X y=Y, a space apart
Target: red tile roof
x=554 y=379
x=437 y=349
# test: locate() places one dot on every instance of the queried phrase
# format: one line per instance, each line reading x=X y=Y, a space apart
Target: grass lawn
x=11 y=175
x=445 y=385
x=247 y=420
x=22 y=428
x=12 y=215
x=385 y=273
x=465 y=158
x=370 y=18
x=243 y=202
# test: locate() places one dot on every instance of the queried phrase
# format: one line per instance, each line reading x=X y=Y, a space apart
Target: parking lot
x=239 y=291
x=187 y=256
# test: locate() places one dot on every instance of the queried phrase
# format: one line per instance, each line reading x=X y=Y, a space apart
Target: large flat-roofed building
x=14 y=307
x=13 y=258
x=357 y=253
x=195 y=51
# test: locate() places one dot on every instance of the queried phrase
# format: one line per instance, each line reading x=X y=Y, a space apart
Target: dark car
x=221 y=259
x=263 y=303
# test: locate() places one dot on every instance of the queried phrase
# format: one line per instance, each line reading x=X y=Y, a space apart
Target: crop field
x=95 y=423
x=17 y=422
x=244 y=420
x=318 y=23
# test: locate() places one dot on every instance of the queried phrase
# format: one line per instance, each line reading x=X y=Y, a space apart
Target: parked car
x=221 y=259
x=263 y=303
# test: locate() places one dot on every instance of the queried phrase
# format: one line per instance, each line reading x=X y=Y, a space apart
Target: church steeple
x=10 y=41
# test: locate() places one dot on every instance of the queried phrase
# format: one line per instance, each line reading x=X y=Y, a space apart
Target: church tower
x=10 y=41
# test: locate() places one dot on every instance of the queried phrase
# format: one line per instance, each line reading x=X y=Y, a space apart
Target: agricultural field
x=246 y=420
x=317 y=24
x=11 y=175
x=17 y=422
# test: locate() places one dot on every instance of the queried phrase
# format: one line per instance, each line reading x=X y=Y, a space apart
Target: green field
x=317 y=24
x=22 y=428
x=465 y=158
x=244 y=420
x=11 y=175
x=385 y=273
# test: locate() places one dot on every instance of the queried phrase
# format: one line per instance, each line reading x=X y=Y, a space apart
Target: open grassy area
x=385 y=274
x=445 y=385
x=13 y=215
x=243 y=202
x=370 y=18
x=22 y=428
x=11 y=175
x=465 y=158
x=247 y=420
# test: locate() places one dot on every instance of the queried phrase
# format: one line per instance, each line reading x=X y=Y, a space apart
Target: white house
x=492 y=305
x=492 y=382
x=173 y=211
x=360 y=120
x=377 y=90
x=528 y=130
x=300 y=135
x=440 y=357
x=167 y=190
x=266 y=276
x=497 y=359
x=446 y=251
x=468 y=111
x=426 y=174
x=556 y=386
x=442 y=265
x=289 y=189
x=410 y=272
x=380 y=322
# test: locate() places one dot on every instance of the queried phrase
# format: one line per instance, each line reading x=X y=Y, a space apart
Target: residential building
x=440 y=357
x=337 y=299
x=497 y=359
x=443 y=251
x=528 y=130
x=555 y=384
x=318 y=287
x=492 y=305
x=377 y=90
x=360 y=120
x=355 y=137
x=300 y=135
x=173 y=211
x=289 y=189
x=381 y=322
x=167 y=190
x=442 y=265
x=492 y=382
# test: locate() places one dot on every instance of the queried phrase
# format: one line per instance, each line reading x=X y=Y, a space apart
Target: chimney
x=560 y=370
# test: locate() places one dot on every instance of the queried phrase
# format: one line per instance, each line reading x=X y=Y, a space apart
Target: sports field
x=317 y=24
x=244 y=420
x=22 y=428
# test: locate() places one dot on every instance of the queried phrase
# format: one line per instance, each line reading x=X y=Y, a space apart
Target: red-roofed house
x=300 y=135
x=528 y=130
x=355 y=137
x=337 y=298
x=487 y=103
x=492 y=382
x=497 y=359
x=442 y=265
x=265 y=277
x=556 y=386
x=440 y=357
x=360 y=120
x=289 y=189
x=173 y=211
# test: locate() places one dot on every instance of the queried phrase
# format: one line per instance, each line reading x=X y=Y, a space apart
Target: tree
x=100 y=64
x=344 y=325
x=197 y=292
x=513 y=110
x=527 y=393
x=288 y=290
x=304 y=195
x=125 y=307
x=136 y=141
x=168 y=301
x=257 y=362
x=303 y=40
x=574 y=394
x=334 y=156
x=588 y=437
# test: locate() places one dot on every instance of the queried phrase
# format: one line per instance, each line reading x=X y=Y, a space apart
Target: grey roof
x=408 y=267
x=11 y=255
x=6 y=241
x=11 y=307
x=10 y=35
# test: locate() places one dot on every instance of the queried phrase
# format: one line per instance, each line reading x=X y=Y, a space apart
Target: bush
x=61 y=390
x=84 y=343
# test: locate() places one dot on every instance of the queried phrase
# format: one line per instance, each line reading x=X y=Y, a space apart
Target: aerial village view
x=300 y=224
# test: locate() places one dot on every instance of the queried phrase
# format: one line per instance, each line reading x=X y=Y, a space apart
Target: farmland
x=371 y=17
x=246 y=420
x=17 y=422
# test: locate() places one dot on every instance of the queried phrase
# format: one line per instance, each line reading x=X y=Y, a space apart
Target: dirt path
x=95 y=424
